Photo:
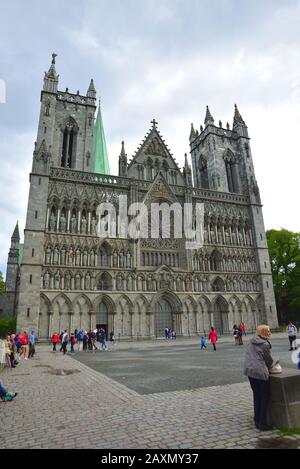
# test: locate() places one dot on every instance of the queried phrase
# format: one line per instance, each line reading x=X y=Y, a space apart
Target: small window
x=267 y=284
x=30 y=278
x=28 y=312
x=265 y=265
x=40 y=180
x=270 y=309
x=261 y=236
x=257 y=211
x=36 y=214
x=32 y=252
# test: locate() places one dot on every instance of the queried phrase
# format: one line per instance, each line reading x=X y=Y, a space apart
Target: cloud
x=166 y=60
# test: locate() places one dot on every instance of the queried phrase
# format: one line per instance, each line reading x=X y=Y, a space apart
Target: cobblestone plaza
x=89 y=409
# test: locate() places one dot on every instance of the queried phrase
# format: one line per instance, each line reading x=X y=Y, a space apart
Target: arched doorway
x=102 y=317
x=163 y=317
x=221 y=316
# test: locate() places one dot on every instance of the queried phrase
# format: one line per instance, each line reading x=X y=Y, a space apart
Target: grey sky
x=156 y=58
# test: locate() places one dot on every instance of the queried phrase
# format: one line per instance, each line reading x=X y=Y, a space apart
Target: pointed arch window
x=203 y=174
x=231 y=171
x=69 y=143
x=105 y=282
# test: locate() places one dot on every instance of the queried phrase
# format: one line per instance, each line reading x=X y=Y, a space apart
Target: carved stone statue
x=78 y=256
x=67 y=281
x=48 y=255
x=85 y=257
x=87 y=282
x=92 y=258
x=93 y=225
x=115 y=259
x=77 y=282
x=46 y=280
x=128 y=257
x=63 y=256
x=83 y=225
x=71 y=256
x=55 y=255
x=52 y=222
x=63 y=223
x=57 y=281
x=73 y=224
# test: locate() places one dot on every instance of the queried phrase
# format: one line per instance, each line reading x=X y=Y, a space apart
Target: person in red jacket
x=24 y=344
x=213 y=337
x=54 y=340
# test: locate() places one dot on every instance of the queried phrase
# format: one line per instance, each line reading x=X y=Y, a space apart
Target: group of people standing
x=83 y=339
x=238 y=333
x=14 y=348
x=169 y=333
x=17 y=346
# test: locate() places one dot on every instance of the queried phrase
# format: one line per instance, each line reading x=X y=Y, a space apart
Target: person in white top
x=292 y=335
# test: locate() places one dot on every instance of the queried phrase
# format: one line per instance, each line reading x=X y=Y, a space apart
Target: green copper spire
x=100 y=157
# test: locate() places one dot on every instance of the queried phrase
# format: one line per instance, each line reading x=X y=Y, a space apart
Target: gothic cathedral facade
x=70 y=278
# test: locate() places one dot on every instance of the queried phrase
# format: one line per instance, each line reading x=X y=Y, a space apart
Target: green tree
x=284 y=249
x=2 y=284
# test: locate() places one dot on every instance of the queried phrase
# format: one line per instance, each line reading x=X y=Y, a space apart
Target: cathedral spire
x=51 y=77
x=193 y=133
x=123 y=161
x=100 y=156
x=91 y=92
x=123 y=154
x=208 y=118
x=237 y=117
x=16 y=234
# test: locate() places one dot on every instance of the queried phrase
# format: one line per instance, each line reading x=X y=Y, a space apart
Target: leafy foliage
x=7 y=326
x=284 y=249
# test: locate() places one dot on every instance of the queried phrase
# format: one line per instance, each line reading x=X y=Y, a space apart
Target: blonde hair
x=264 y=331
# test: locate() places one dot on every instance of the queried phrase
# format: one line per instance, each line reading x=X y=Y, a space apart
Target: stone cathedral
x=70 y=278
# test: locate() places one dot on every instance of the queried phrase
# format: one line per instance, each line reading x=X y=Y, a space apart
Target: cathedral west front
x=69 y=277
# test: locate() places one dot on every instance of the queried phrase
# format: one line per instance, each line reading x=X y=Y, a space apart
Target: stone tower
x=8 y=302
x=64 y=139
x=222 y=161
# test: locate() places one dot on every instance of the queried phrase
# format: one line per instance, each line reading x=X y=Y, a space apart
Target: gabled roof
x=153 y=145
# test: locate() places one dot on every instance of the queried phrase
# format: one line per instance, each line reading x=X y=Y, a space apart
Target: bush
x=6 y=326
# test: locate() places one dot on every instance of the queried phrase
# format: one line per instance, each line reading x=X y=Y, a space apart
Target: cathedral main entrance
x=163 y=317
x=102 y=317
x=221 y=317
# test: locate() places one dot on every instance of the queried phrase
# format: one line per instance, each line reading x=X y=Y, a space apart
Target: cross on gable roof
x=153 y=145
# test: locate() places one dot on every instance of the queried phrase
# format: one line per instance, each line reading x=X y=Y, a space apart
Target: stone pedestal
x=284 y=410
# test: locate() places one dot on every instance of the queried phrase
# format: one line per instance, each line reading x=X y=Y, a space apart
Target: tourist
x=17 y=343
x=166 y=333
x=31 y=342
x=24 y=344
x=243 y=326
x=9 y=355
x=213 y=337
x=103 y=340
x=64 y=342
x=79 y=340
x=236 y=334
x=240 y=335
x=112 y=338
x=258 y=361
x=93 y=340
x=72 y=342
x=173 y=335
x=5 y=395
x=85 y=340
x=54 y=340
x=292 y=335
x=203 y=343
